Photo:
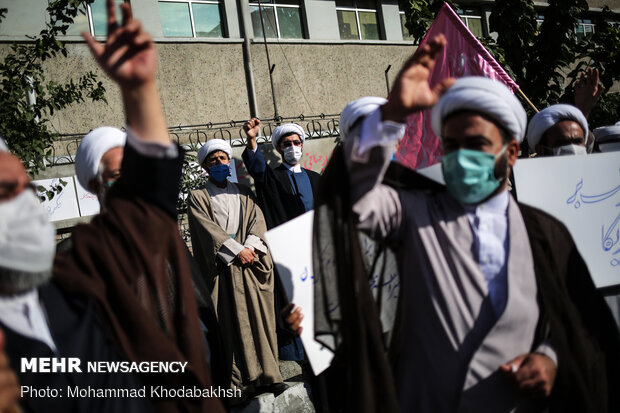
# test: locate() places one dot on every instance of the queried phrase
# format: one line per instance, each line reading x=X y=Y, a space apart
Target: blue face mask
x=470 y=175
x=219 y=172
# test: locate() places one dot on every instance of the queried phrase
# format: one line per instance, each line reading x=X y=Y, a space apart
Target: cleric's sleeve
x=255 y=164
x=368 y=154
x=152 y=172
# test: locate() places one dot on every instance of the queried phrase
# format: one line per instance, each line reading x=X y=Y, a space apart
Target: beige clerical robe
x=448 y=347
x=242 y=296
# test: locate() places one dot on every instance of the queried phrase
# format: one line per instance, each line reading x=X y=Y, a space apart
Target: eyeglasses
x=287 y=144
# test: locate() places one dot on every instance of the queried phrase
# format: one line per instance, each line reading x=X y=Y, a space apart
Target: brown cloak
x=131 y=261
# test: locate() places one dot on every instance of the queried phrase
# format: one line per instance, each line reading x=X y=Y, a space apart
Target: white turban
x=212 y=146
x=486 y=96
x=357 y=109
x=3 y=146
x=608 y=138
x=287 y=129
x=92 y=148
x=548 y=117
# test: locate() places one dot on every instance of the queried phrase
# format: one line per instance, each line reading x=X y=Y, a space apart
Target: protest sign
x=294 y=263
x=584 y=193
x=62 y=205
x=87 y=201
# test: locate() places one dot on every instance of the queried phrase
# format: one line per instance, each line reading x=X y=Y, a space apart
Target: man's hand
x=246 y=257
x=411 y=91
x=128 y=55
x=533 y=374
x=251 y=129
x=587 y=91
x=293 y=317
x=129 y=58
x=9 y=387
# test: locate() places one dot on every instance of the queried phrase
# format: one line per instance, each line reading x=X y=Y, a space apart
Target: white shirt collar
x=23 y=314
x=293 y=168
x=497 y=204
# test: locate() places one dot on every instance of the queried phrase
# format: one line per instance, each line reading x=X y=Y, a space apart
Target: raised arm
x=152 y=165
x=252 y=158
x=411 y=92
x=129 y=58
x=369 y=148
x=587 y=91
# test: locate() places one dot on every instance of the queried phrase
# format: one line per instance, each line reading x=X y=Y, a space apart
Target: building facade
x=213 y=56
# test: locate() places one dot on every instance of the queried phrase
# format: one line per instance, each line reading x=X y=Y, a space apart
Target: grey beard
x=17 y=281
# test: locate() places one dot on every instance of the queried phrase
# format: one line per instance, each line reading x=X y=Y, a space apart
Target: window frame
x=254 y=3
x=402 y=13
x=582 y=23
x=467 y=14
x=357 y=20
x=191 y=18
x=91 y=23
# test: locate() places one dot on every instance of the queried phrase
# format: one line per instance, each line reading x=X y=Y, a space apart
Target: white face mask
x=569 y=150
x=292 y=155
x=27 y=237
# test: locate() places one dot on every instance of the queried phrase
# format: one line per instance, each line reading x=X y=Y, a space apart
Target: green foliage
x=606 y=112
x=553 y=51
x=601 y=50
x=192 y=178
x=515 y=23
x=420 y=15
x=25 y=125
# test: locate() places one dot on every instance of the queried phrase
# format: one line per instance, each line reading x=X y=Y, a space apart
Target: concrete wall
x=205 y=82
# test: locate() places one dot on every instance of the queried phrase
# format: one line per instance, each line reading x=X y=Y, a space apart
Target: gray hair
x=18 y=281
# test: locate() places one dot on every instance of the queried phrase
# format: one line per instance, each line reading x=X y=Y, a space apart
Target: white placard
x=433 y=172
x=88 y=202
x=584 y=193
x=63 y=205
x=294 y=263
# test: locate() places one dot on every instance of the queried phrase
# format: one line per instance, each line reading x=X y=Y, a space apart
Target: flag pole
x=527 y=100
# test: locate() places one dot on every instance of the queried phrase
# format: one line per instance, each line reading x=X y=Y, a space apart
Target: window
x=584 y=28
x=93 y=19
x=281 y=19
x=403 y=22
x=357 y=19
x=539 y=21
x=190 y=18
x=473 y=21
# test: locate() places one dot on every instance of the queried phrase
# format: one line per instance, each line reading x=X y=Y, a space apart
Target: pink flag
x=463 y=56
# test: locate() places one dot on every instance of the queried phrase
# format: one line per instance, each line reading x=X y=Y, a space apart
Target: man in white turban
x=608 y=138
x=98 y=160
x=227 y=230
x=283 y=193
x=492 y=293
x=558 y=130
x=38 y=317
x=286 y=191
